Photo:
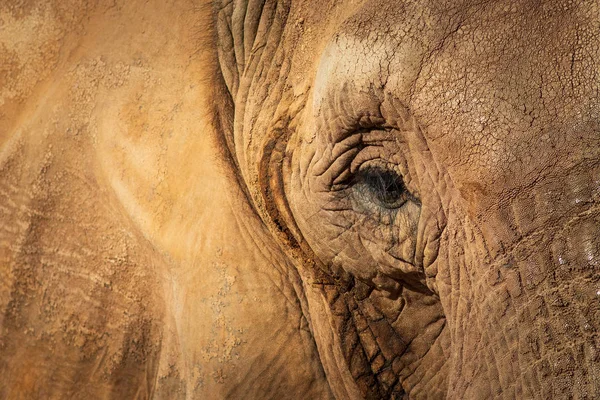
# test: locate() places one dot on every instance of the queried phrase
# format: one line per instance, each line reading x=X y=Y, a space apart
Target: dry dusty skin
x=299 y=200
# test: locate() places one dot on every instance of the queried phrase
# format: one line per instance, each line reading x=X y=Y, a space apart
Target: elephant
x=300 y=199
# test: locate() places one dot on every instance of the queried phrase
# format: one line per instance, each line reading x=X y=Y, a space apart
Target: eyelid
x=364 y=122
x=373 y=141
x=340 y=158
x=369 y=154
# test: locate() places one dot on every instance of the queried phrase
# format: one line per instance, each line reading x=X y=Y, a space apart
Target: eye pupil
x=386 y=187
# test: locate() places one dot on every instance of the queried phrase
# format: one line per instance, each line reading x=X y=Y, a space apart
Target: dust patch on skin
x=135 y=148
x=225 y=337
x=34 y=36
x=88 y=78
x=29 y=48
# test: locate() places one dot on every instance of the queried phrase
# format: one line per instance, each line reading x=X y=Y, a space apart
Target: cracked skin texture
x=184 y=211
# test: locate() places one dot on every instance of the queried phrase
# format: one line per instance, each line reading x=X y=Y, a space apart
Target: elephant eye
x=384 y=187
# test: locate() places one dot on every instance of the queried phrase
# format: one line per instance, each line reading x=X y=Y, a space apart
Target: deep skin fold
x=460 y=260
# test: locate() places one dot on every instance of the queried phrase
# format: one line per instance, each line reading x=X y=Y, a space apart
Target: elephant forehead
x=367 y=63
x=501 y=88
x=380 y=47
x=344 y=57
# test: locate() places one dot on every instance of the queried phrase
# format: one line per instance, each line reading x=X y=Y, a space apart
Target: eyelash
x=383 y=185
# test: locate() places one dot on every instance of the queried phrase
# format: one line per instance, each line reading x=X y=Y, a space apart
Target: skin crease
x=191 y=208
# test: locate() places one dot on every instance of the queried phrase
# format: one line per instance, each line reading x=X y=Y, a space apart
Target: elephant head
x=300 y=199
x=432 y=171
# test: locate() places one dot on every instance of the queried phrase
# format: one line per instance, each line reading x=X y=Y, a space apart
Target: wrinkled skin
x=379 y=200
